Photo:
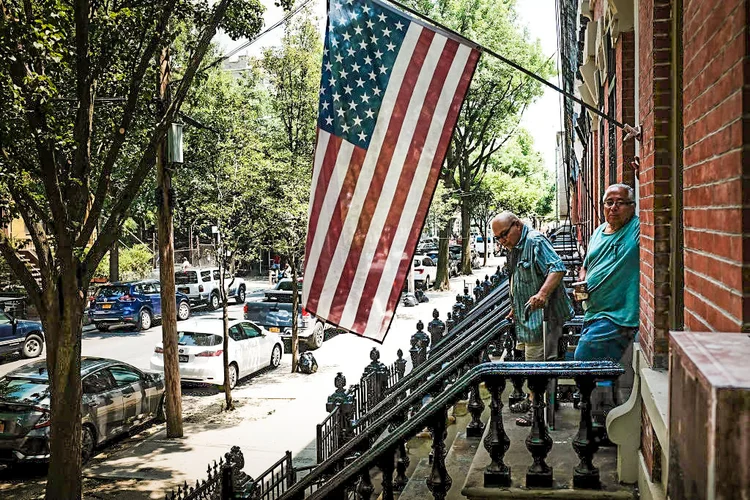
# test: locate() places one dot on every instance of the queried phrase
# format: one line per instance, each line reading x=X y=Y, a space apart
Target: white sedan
x=201 y=351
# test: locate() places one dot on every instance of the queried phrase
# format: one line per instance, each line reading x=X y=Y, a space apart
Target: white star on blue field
x=362 y=42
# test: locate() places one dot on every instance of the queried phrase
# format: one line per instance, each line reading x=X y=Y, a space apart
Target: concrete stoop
x=460 y=454
x=562 y=458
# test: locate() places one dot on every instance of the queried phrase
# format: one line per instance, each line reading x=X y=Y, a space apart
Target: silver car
x=116 y=397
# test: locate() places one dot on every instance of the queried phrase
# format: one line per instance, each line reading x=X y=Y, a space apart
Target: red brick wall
x=656 y=154
x=716 y=165
x=625 y=50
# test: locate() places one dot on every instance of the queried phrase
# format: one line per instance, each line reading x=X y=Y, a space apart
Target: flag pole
x=515 y=66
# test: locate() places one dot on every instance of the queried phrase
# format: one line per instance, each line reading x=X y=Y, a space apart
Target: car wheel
x=214 y=301
x=87 y=443
x=318 y=335
x=144 y=320
x=33 y=346
x=276 y=356
x=102 y=327
x=233 y=376
x=241 y=295
x=183 y=311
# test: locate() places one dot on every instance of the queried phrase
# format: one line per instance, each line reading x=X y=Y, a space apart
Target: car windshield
x=185 y=277
x=199 y=339
x=22 y=390
x=113 y=291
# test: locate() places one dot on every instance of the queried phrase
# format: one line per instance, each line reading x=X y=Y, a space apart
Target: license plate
x=183 y=358
x=183 y=290
x=274 y=329
x=106 y=306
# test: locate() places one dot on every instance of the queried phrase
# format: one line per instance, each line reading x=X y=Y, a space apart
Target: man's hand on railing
x=511 y=316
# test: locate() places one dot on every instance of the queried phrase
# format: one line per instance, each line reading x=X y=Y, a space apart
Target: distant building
x=237 y=65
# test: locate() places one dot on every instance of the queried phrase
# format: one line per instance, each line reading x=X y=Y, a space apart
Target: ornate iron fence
x=225 y=480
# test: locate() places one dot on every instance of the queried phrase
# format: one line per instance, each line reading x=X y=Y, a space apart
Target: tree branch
x=110 y=231
x=78 y=198
x=119 y=135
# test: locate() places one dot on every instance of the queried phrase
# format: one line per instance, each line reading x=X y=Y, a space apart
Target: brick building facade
x=679 y=69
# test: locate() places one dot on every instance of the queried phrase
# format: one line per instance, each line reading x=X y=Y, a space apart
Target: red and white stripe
x=367 y=206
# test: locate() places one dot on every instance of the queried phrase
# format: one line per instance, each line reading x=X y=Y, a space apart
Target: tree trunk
x=62 y=324
x=465 y=233
x=114 y=262
x=442 y=278
x=173 y=390
x=295 y=314
x=225 y=322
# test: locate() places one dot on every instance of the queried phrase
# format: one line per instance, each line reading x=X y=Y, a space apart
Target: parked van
x=480 y=244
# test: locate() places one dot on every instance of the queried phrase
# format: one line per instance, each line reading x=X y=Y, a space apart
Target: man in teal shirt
x=611 y=270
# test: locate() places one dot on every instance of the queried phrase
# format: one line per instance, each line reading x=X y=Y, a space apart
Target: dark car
x=135 y=303
x=116 y=397
x=274 y=313
x=26 y=337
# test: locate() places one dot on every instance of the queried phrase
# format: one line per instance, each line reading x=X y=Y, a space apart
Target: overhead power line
x=245 y=45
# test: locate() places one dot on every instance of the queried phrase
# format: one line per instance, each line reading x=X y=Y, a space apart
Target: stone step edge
x=482 y=459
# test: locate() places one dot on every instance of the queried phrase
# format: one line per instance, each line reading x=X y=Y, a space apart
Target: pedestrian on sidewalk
x=536 y=274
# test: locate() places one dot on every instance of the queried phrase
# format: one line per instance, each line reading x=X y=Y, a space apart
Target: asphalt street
x=276 y=410
x=122 y=344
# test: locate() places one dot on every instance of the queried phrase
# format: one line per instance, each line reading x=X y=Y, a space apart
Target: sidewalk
x=276 y=411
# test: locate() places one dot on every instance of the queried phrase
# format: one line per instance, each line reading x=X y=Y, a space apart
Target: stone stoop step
x=457 y=462
x=562 y=458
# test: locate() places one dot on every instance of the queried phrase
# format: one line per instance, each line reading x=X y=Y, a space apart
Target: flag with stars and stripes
x=390 y=93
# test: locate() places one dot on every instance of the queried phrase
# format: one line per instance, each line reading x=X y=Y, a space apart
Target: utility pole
x=165 y=201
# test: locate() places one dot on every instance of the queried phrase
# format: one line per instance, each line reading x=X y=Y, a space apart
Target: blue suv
x=136 y=303
x=20 y=335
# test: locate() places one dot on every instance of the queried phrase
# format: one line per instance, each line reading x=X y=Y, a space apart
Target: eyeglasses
x=619 y=203
x=504 y=234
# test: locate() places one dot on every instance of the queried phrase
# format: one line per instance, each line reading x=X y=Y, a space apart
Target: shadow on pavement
x=111 y=334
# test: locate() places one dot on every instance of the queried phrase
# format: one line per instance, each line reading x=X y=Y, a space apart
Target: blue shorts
x=602 y=339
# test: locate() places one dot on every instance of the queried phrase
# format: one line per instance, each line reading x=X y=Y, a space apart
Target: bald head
x=502 y=227
x=503 y=219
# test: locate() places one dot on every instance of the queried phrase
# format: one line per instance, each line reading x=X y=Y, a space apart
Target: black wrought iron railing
x=355 y=476
x=350 y=410
x=224 y=480
x=399 y=406
x=272 y=483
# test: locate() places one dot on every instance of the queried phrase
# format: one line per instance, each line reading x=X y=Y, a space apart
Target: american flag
x=390 y=93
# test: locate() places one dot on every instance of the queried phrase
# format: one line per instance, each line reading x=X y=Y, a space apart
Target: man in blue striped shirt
x=536 y=274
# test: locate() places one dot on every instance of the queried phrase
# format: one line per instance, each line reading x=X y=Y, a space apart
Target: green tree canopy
x=79 y=131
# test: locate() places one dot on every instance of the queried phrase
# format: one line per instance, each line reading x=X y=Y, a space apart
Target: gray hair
x=631 y=193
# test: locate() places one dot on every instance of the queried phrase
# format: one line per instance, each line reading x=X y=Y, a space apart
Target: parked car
x=201 y=351
x=202 y=286
x=136 y=303
x=424 y=271
x=427 y=244
x=274 y=312
x=456 y=253
x=453 y=263
x=26 y=337
x=116 y=398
